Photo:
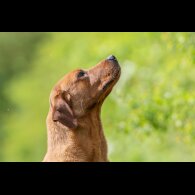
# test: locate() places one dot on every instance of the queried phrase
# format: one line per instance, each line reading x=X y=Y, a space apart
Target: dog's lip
x=113 y=79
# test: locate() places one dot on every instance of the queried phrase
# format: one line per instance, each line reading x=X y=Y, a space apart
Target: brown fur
x=74 y=126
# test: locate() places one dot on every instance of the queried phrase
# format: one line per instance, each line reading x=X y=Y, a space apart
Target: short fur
x=74 y=127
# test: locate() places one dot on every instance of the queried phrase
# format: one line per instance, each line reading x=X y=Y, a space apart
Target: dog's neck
x=86 y=143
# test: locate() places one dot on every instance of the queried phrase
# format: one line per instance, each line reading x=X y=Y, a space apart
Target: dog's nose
x=111 y=57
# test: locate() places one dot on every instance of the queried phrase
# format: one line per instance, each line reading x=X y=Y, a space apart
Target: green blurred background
x=149 y=116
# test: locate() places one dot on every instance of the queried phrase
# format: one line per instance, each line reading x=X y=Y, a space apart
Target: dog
x=74 y=128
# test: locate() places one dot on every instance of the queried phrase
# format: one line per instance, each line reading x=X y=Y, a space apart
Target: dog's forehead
x=69 y=78
x=65 y=82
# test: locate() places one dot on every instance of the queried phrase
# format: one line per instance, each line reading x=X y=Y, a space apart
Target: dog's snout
x=111 y=57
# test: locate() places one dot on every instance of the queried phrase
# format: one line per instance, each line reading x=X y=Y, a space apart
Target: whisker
x=82 y=105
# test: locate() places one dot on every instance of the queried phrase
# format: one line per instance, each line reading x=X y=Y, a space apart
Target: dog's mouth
x=112 y=81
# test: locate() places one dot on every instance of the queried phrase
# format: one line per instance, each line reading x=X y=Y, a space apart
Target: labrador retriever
x=74 y=127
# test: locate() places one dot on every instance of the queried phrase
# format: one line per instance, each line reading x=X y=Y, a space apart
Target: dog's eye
x=80 y=74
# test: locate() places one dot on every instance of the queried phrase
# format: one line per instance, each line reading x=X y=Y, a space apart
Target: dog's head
x=80 y=91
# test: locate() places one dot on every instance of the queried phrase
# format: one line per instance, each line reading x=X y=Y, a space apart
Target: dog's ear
x=62 y=112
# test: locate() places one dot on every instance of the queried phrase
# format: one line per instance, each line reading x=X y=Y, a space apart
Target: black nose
x=111 y=57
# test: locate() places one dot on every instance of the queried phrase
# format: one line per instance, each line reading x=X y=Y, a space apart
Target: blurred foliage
x=147 y=117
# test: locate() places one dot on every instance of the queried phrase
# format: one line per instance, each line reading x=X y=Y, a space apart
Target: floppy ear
x=62 y=112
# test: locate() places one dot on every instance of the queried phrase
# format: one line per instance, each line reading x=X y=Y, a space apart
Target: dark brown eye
x=81 y=74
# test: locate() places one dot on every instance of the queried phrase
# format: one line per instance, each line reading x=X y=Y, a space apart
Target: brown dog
x=74 y=126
